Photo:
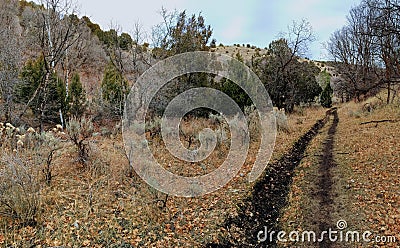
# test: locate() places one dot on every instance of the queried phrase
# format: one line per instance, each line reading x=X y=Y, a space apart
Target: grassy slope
x=103 y=207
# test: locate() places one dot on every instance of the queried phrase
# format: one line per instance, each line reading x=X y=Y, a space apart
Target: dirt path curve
x=261 y=211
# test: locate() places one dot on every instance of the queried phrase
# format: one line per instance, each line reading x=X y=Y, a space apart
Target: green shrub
x=76 y=97
x=326 y=96
x=114 y=88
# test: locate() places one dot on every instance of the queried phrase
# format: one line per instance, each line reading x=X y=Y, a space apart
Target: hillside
x=246 y=52
x=111 y=138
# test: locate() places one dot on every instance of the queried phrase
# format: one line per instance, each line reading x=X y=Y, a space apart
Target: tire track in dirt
x=263 y=208
x=325 y=183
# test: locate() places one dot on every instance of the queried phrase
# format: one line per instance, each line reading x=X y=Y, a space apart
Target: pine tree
x=76 y=98
x=114 y=88
x=33 y=76
x=326 y=96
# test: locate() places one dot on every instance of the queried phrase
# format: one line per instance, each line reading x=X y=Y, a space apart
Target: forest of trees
x=367 y=50
x=40 y=80
x=48 y=54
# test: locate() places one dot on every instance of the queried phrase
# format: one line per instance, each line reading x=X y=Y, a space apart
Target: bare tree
x=77 y=55
x=367 y=49
x=56 y=29
x=385 y=26
x=297 y=38
x=357 y=53
x=300 y=34
x=161 y=31
x=141 y=57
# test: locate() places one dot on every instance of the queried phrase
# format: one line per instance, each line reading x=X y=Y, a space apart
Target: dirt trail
x=263 y=208
x=325 y=184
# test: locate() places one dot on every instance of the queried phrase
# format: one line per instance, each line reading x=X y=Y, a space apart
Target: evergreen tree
x=76 y=98
x=289 y=82
x=51 y=98
x=32 y=75
x=233 y=90
x=326 y=96
x=114 y=88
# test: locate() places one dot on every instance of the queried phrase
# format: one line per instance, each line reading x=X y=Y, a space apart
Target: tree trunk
x=44 y=100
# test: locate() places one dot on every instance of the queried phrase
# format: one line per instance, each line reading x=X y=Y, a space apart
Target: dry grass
x=99 y=206
x=365 y=180
x=374 y=160
x=245 y=52
x=299 y=123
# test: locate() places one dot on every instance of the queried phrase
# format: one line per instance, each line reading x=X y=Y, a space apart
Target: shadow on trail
x=263 y=208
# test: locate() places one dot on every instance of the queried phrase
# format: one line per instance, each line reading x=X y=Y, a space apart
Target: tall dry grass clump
x=19 y=189
x=25 y=163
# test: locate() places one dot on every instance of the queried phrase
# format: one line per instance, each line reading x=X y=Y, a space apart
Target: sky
x=257 y=22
